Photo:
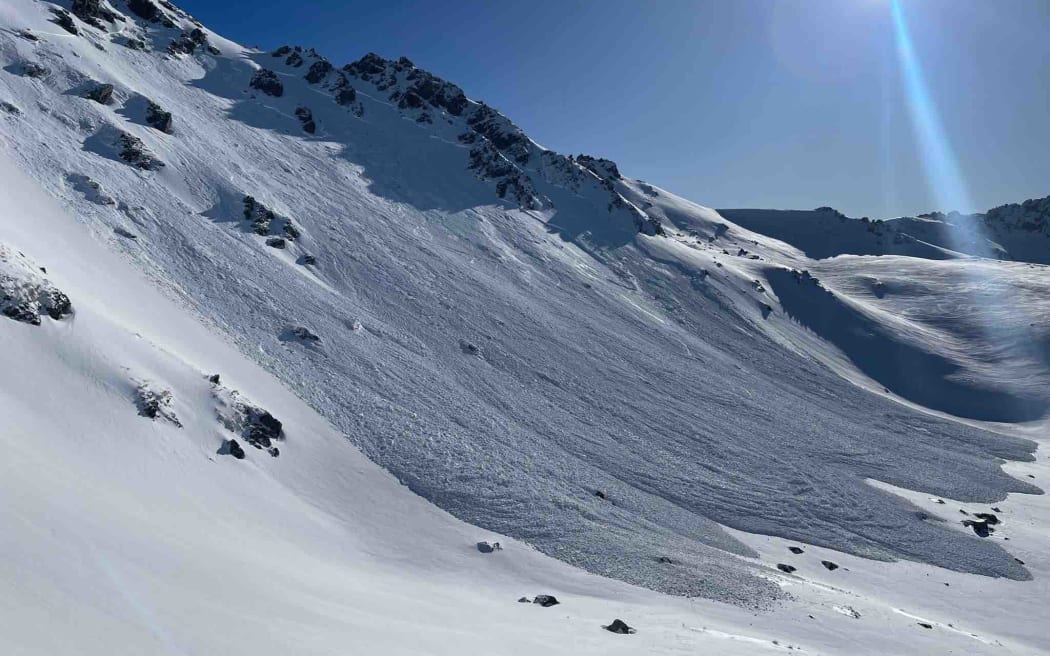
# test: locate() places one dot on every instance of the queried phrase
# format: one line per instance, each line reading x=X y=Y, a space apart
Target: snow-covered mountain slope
x=1016 y=231
x=625 y=380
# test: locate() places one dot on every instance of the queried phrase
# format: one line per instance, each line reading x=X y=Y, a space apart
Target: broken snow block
x=546 y=601
x=619 y=626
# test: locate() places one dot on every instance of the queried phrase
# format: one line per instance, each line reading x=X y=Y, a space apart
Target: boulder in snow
x=619 y=626
x=154 y=402
x=102 y=94
x=158 y=118
x=26 y=294
x=267 y=81
x=546 y=601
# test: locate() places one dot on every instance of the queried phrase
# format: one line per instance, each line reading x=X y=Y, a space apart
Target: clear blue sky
x=731 y=103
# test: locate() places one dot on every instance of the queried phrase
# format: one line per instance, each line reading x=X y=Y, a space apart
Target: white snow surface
x=502 y=363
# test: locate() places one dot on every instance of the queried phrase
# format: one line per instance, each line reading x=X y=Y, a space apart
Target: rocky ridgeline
x=1032 y=216
x=163 y=20
x=26 y=294
x=499 y=150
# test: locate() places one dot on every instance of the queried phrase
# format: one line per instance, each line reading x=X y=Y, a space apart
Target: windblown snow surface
x=585 y=364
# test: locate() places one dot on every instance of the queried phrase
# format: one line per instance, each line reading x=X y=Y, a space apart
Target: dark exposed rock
x=524 y=600
x=306 y=117
x=145 y=9
x=281 y=52
x=135 y=153
x=34 y=70
x=601 y=167
x=214 y=379
x=267 y=81
x=155 y=403
x=124 y=233
x=795 y=550
x=295 y=59
x=276 y=242
x=262 y=429
x=25 y=294
x=102 y=94
x=258 y=215
x=830 y=566
x=786 y=568
x=345 y=96
x=599 y=494
x=982 y=527
x=619 y=626
x=469 y=348
x=158 y=118
x=273 y=451
x=64 y=20
x=318 y=71
x=303 y=334
x=925 y=625
x=291 y=233
x=308 y=260
x=93 y=13
x=664 y=560
x=988 y=517
x=233 y=448
x=546 y=601
x=485 y=547
x=28 y=35
x=9 y=108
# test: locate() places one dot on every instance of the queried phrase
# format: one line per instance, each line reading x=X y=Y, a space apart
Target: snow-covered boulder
x=26 y=294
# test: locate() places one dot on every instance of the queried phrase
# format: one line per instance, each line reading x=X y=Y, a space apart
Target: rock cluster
x=154 y=403
x=93 y=13
x=267 y=81
x=254 y=424
x=26 y=294
x=135 y=153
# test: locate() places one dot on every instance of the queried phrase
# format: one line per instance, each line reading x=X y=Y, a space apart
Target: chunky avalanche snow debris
x=605 y=359
x=25 y=292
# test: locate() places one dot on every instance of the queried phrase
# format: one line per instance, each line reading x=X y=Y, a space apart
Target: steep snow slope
x=507 y=330
x=126 y=535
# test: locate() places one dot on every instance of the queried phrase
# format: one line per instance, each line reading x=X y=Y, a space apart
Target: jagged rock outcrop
x=1031 y=216
x=26 y=294
x=94 y=13
x=64 y=20
x=254 y=424
x=306 y=119
x=258 y=215
x=158 y=118
x=319 y=70
x=135 y=153
x=102 y=94
x=267 y=81
x=155 y=403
